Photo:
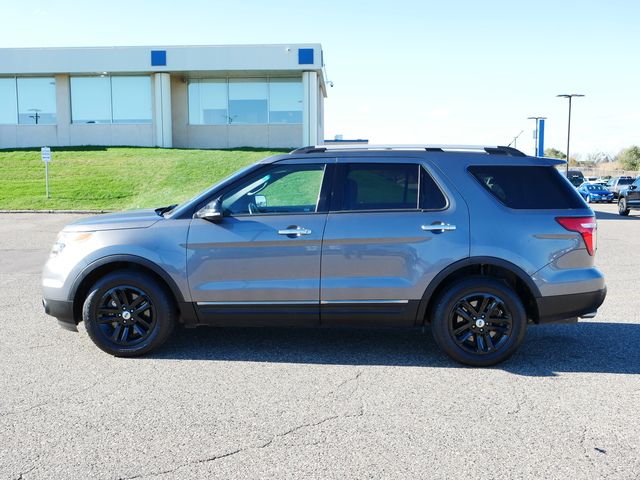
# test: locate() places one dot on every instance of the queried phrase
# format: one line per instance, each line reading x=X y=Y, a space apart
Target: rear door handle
x=294 y=231
x=438 y=227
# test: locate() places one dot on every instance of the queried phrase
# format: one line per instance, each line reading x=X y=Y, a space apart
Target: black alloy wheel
x=128 y=313
x=480 y=323
x=478 y=320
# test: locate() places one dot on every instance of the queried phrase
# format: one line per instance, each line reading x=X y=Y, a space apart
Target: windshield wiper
x=162 y=210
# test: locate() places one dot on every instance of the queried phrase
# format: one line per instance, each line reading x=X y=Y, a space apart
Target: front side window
x=279 y=189
x=36 y=100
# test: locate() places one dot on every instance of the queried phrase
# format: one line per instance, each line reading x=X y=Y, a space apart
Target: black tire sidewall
x=468 y=286
x=622 y=207
x=164 y=311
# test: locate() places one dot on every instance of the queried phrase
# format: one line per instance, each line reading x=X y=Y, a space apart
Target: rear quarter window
x=527 y=187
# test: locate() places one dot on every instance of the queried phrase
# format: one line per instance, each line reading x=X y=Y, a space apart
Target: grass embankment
x=114 y=178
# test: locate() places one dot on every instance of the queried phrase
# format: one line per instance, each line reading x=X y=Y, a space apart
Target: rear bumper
x=62 y=310
x=561 y=307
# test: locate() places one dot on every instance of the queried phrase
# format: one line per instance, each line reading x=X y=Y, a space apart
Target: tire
x=149 y=308
x=622 y=207
x=504 y=334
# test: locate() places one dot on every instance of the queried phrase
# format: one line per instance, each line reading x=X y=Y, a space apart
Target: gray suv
x=477 y=242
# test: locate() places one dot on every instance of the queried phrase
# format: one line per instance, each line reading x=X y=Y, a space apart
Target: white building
x=185 y=97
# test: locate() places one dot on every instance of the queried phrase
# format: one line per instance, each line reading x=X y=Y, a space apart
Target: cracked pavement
x=267 y=403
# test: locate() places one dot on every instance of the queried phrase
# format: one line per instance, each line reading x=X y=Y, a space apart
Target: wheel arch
x=92 y=272
x=492 y=267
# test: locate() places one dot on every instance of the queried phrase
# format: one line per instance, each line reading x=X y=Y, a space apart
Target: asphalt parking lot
x=267 y=403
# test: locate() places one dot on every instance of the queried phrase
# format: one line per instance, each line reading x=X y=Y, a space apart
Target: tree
x=629 y=158
x=554 y=153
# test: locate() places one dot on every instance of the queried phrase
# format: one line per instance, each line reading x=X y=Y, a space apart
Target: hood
x=115 y=221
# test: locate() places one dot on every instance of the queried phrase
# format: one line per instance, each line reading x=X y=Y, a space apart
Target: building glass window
x=131 y=99
x=208 y=102
x=248 y=102
x=245 y=101
x=285 y=100
x=104 y=99
x=90 y=100
x=8 y=101
x=36 y=100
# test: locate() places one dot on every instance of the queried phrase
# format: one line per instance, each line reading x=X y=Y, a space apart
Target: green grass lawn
x=114 y=178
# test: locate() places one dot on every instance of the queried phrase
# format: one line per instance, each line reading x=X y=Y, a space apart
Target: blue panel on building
x=158 y=58
x=305 y=56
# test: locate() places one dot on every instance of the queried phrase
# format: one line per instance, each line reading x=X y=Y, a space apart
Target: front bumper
x=63 y=311
x=561 y=307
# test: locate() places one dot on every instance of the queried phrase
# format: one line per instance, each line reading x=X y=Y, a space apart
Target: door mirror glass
x=261 y=201
x=210 y=212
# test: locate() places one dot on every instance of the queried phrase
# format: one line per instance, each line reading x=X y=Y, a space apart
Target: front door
x=261 y=263
x=390 y=230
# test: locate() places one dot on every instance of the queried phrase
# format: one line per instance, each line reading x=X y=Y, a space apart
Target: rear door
x=392 y=226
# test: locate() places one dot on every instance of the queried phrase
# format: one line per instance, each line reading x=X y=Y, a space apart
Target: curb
x=58 y=211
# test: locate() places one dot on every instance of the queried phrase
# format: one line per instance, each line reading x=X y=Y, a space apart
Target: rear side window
x=527 y=187
x=380 y=186
x=376 y=186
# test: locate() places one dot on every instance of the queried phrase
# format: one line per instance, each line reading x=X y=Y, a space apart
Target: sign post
x=45 y=153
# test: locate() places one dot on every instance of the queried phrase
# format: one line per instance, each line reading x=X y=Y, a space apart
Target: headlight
x=68 y=238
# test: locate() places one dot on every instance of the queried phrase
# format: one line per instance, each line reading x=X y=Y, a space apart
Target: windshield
x=594 y=187
x=625 y=181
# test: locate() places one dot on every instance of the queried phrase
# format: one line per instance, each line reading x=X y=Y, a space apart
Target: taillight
x=585 y=226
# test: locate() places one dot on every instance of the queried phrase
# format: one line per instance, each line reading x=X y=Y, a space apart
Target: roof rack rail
x=490 y=149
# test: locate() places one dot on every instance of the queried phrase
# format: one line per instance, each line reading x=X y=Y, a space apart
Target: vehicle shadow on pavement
x=614 y=216
x=547 y=350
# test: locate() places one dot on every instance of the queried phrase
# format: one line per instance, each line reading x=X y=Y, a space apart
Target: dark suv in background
x=458 y=238
x=616 y=184
x=629 y=198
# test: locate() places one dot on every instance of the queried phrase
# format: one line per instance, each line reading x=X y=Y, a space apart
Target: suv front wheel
x=128 y=313
x=622 y=207
x=478 y=321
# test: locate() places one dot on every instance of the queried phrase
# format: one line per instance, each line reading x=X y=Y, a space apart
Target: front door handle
x=438 y=227
x=294 y=231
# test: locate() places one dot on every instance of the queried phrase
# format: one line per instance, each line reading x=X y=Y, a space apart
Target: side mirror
x=210 y=212
x=632 y=187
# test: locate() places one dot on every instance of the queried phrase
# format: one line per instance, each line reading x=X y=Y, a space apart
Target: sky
x=454 y=72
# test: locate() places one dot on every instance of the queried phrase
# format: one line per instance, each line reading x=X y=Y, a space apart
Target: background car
x=618 y=183
x=594 y=192
x=629 y=198
x=575 y=177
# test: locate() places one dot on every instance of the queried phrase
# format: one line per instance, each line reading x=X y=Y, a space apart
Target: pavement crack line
x=54 y=401
x=22 y=474
x=244 y=449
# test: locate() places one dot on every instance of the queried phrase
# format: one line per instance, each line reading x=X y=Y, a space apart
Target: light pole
x=537 y=119
x=569 y=96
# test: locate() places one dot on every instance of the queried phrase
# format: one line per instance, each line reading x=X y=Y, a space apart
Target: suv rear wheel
x=128 y=313
x=479 y=321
